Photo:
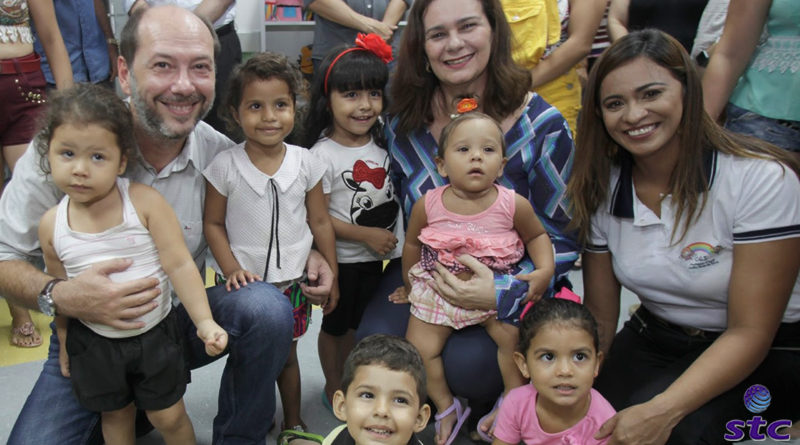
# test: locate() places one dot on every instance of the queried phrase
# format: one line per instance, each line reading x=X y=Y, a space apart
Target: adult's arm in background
x=340 y=12
x=732 y=54
x=584 y=19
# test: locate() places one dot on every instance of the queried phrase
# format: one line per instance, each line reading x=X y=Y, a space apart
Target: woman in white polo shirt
x=702 y=225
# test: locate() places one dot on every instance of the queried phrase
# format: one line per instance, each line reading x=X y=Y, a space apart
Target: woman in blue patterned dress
x=451 y=50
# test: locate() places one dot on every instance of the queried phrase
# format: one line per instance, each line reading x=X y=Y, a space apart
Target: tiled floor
x=17 y=380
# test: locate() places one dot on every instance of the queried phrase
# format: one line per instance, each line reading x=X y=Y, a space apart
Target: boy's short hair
x=395 y=353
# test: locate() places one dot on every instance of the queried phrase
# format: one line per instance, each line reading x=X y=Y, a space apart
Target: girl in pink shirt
x=558 y=351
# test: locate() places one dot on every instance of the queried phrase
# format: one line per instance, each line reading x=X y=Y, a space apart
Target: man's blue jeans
x=258 y=319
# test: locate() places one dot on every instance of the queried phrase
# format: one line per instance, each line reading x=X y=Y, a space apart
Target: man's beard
x=154 y=124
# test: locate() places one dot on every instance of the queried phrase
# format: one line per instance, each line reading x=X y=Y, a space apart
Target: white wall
x=249 y=20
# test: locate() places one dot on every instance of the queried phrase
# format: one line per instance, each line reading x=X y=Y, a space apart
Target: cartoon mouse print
x=373 y=203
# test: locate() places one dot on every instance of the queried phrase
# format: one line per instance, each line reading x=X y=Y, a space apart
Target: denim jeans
x=743 y=121
x=258 y=319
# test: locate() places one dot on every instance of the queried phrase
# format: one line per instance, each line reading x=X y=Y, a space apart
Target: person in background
x=719 y=215
x=89 y=39
x=678 y=18
x=565 y=31
x=222 y=13
x=753 y=73
x=709 y=31
x=337 y=22
x=601 y=41
x=22 y=98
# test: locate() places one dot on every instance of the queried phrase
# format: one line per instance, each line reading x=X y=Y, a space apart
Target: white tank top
x=78 y=251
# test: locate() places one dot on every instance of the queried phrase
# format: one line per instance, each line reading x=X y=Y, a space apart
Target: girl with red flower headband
x=344 y=130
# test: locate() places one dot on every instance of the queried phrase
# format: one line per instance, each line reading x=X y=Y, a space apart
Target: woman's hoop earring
x=427 y=66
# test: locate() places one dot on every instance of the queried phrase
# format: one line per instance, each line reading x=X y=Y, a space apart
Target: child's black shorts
x=357 y=285
x=109 y=373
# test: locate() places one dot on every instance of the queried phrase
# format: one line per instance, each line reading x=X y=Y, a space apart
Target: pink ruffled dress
x=489 y=236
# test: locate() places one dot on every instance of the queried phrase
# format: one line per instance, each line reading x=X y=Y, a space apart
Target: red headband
x=364 y=42
x=564 y=294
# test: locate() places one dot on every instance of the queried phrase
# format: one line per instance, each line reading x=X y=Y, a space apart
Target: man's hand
x=320 y=278
x=93 y=297
x=332 y=301
x=476 y=293
x=323 y=289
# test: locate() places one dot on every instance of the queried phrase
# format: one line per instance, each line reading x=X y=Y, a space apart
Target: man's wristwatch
x=46 y=304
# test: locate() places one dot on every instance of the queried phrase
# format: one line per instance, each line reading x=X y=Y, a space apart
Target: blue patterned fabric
x=539 y=152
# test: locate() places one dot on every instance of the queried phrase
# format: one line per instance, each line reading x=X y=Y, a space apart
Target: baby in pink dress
x=472 y=215
x=489 y=236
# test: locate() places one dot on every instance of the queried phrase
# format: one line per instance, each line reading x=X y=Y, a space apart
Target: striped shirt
x=601 y=39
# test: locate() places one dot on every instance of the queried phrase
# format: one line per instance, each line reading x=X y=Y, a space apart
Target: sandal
x=297 y=432
x=485 y=435
x=27 y=329
x=461 y=417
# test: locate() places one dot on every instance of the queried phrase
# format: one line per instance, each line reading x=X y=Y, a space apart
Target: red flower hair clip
x=376 y=45
x=364 y=42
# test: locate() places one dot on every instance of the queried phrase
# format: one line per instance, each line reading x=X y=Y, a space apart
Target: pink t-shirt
x=517 y=421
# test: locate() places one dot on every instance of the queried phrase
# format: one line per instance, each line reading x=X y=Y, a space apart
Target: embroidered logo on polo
x=700 y=255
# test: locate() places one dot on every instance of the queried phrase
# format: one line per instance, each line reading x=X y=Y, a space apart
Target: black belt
x=644 y=316
x=794 y=125
x=225 y=29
